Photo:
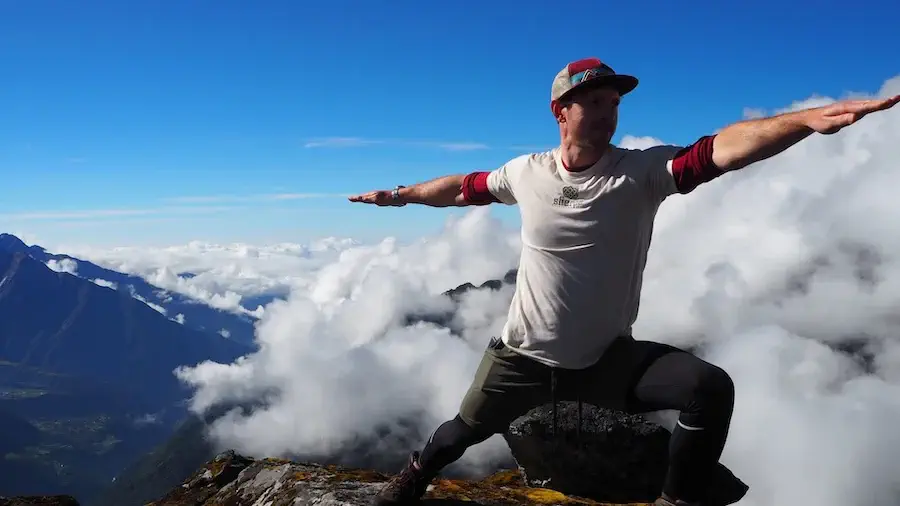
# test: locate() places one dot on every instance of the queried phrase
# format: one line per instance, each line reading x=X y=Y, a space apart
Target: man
x=587 y=210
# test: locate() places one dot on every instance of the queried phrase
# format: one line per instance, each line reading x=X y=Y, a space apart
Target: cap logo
x=589 y=74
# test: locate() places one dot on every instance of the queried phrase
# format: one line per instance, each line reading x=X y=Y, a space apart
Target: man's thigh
x=506 y=385
x=643 y=376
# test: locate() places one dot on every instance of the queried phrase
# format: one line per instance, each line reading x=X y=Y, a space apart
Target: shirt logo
x=569 y=193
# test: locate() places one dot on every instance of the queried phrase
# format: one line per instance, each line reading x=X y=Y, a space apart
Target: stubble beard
x=597 y=144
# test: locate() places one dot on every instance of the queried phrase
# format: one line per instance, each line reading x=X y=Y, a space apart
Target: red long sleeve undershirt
x=475 y=189
x=693 y=165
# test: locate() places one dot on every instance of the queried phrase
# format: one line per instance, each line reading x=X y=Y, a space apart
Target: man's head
x=585 y=99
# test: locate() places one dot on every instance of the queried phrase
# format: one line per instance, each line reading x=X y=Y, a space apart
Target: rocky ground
x=233 y=480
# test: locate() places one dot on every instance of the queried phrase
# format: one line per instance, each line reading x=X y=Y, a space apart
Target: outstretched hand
x=832 y=118
x=377 y=197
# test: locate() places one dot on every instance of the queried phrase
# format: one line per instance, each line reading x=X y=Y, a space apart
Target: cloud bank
x=337 y=364
x=774 y=270
x=235 y=277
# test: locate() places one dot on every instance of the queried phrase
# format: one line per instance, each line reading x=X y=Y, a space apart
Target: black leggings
x=663 y=378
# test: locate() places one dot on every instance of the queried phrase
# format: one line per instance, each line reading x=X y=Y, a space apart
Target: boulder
x=617 y=458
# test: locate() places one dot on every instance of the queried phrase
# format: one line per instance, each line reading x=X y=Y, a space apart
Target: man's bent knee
x=716 y=387
x=712 y=396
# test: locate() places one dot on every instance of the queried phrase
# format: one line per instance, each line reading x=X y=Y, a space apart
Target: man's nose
x=602 y=108
x=604 y=114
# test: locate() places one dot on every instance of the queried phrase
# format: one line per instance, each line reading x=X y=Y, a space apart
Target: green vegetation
x=55 y=440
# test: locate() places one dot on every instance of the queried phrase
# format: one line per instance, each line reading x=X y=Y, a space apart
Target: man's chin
x=598 y=145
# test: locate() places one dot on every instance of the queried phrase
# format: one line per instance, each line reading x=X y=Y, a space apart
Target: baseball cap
x=589 y=72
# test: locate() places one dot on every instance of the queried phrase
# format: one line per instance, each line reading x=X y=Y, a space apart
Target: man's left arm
x=743 y=143
x=680 y=169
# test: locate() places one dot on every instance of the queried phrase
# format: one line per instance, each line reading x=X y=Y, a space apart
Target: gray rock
x=618 y=457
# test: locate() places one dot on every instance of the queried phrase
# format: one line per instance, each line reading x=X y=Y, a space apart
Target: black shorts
x=507 y=385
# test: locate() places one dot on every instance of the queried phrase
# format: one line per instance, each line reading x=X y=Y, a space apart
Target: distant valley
x=86 y=382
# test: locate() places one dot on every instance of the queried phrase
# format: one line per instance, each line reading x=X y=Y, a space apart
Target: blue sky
x=161 y=122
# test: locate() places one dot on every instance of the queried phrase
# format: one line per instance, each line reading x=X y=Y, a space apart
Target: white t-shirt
x=585 y=237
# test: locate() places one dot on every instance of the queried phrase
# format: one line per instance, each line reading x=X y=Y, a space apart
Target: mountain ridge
x=64 y=324
x=197 y=314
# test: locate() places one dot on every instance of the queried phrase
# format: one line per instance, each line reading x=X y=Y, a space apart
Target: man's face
x=591 y=117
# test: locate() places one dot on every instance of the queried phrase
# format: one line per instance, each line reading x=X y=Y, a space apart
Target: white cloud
x=336 y=349
x=65 y=265
x=224 y=276
x=754 y=112
x=632 y=142
x=155 y=306
x=105 y=283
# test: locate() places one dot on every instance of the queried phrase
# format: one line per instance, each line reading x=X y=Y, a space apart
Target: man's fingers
x=889 y=102
x=858 y=110
x=866 y=106
x=367 y=198
x=851 y=111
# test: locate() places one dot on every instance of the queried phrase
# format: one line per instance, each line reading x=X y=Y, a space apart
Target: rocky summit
x=231 y=479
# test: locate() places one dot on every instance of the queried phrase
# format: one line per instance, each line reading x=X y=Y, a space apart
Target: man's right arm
x=457 y=190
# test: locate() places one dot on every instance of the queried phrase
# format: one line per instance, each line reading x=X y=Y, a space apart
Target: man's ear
x=556 y=109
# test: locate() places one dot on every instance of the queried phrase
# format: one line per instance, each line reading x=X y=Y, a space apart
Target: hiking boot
x=723 y=489
x=407 y=487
